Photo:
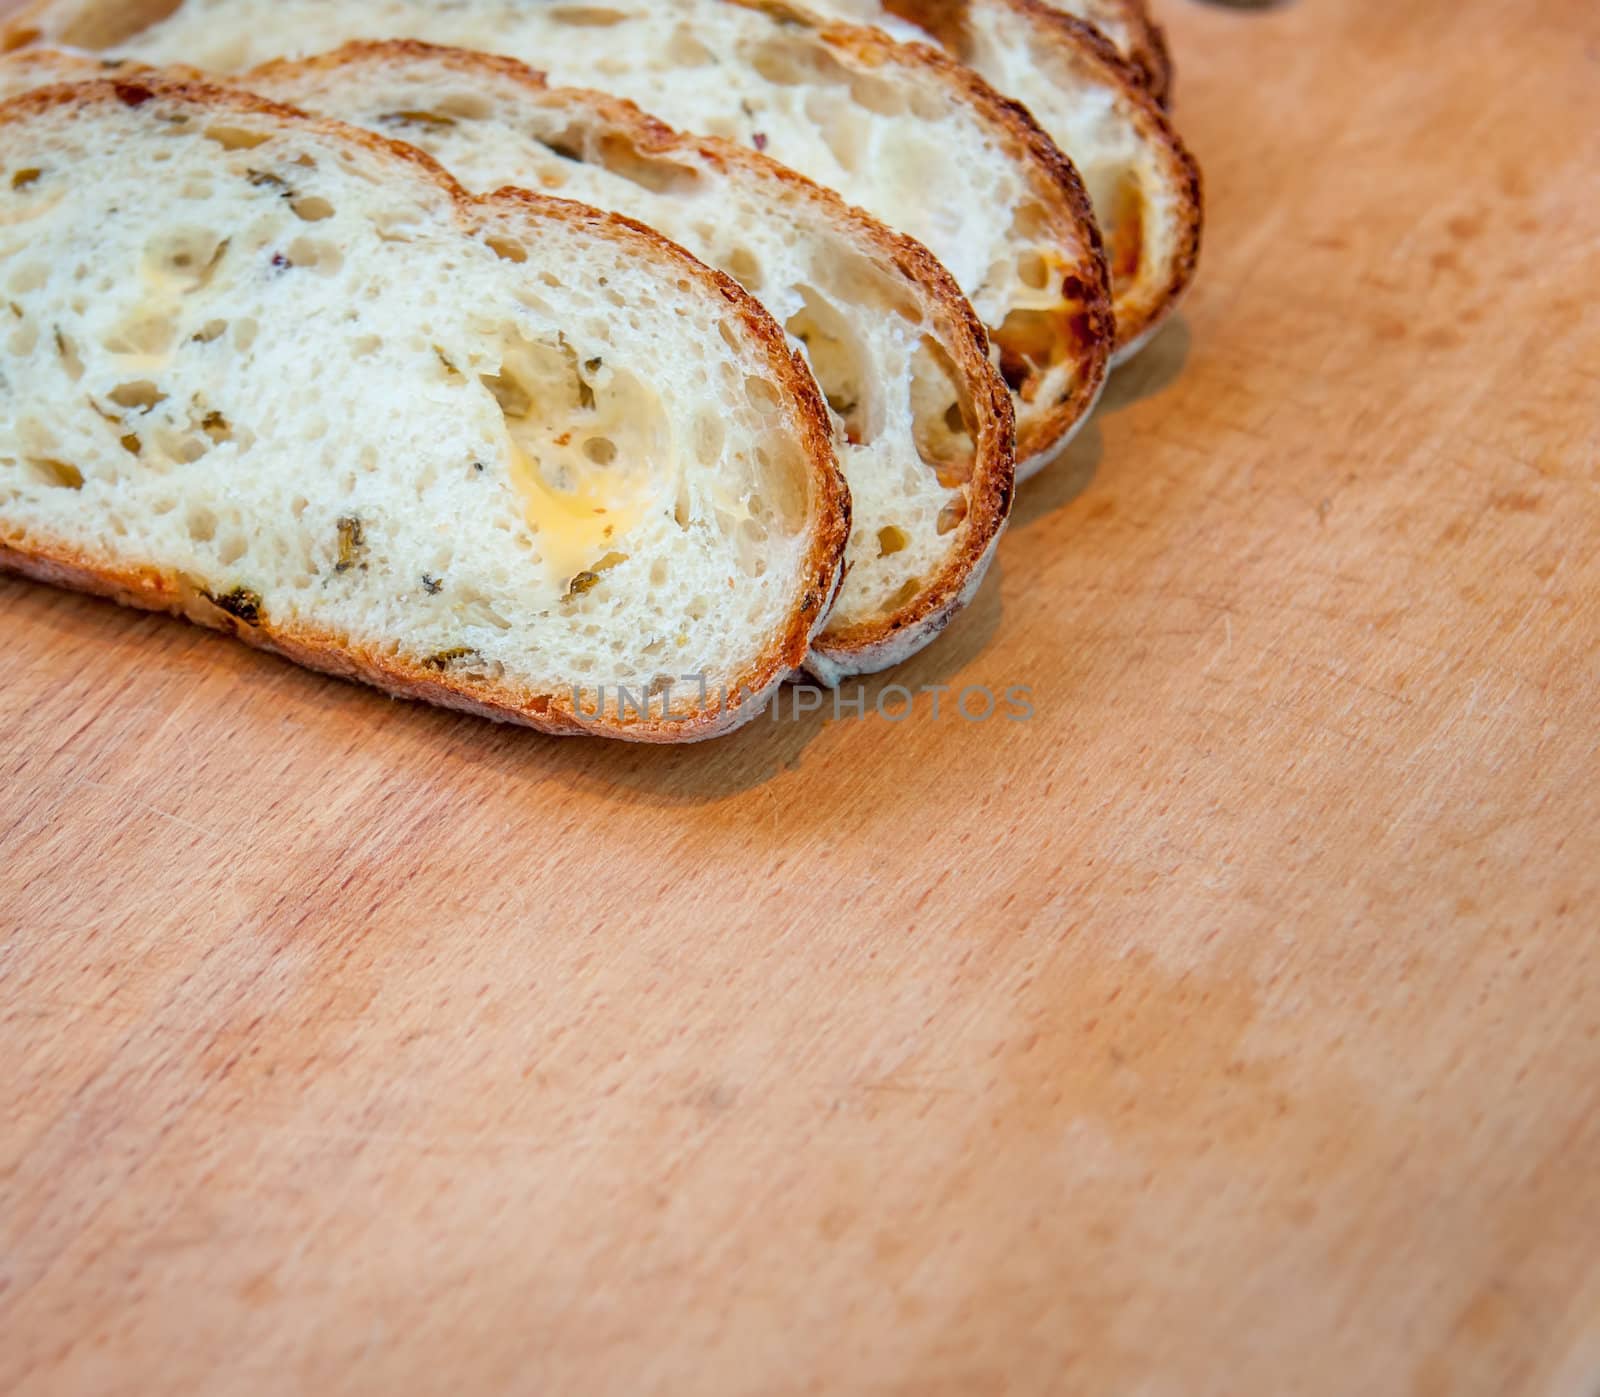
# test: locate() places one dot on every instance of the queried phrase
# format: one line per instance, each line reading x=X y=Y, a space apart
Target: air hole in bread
x=236 y=137
x=244 y=333
x=892 y=539
x=623 y=158
x=201 y=524
x=878 y=95
x=761 y=395
x=839 y=363
x=846 y=131
x=784 y=61
x=750 y=538
x=1033 y=271
x=183 y=261
x=786 y=481
x=395 y=226
x=507 y=249
x=140 y=395
x=59 y=475
x=710 y=434
x=1028 y=343
x=601 y=450
x=905 y=594
x=744 y=267
x=68 y=352
x=23 y=178
x=325 y=258
x=683 y=50
x=451 y=373
x=951 y=516
x=183 y=447
x=146 y=337
x=564 y=144
x=1120 y=207
x=232 y=548
x=312 y=208
x=24 y=339
x=586 y=16
x=211 y=330
x=28 y=277
x=465 y=105
x=473 y=607
x=940 y=420
x=415 y=118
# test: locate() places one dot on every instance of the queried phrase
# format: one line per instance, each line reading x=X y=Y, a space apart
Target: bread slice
x=900 y=130
x=506 y=454
x=1144 y=183
x=922 y=421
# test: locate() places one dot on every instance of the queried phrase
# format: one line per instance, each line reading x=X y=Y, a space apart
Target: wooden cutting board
x=1232 y=1026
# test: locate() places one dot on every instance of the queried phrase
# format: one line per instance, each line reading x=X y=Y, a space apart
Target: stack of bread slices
x=592 y=364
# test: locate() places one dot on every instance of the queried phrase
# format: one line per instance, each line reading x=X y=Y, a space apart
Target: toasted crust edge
x=158 y=588
x=887 y=639
x=1141 y=311
x=1147 y=51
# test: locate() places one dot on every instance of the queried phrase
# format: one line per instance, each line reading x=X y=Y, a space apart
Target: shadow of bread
x=1153 y=370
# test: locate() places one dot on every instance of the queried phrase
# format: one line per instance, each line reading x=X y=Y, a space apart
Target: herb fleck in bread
x=287 y=378
x=922 y=421
x=1144 y=183
x=900 y=130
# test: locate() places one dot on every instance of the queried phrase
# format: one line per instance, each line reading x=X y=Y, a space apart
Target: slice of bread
x=900 y=130
x=922 y=421
x=506 y=454
x=1144 y=183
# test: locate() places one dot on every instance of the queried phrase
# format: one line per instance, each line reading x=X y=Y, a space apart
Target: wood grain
x=1233 y=1026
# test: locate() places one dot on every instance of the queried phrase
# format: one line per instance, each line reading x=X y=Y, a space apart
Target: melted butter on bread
x=587 y=484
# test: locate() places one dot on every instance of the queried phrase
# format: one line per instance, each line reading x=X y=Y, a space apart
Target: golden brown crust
x=158 y=588
x=1150 y=54
x=1145 y=49
x=886 y=639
